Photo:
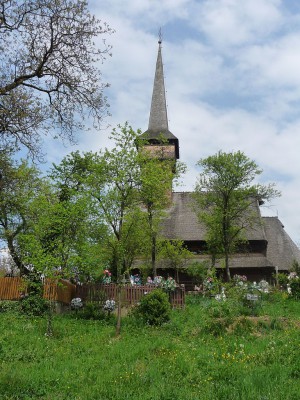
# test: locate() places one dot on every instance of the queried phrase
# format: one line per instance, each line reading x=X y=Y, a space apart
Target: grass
x=208 y=351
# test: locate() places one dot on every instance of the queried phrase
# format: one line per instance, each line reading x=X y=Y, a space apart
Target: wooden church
x=269 y=249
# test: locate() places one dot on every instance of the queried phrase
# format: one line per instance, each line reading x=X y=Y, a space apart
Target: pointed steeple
x=158 y=121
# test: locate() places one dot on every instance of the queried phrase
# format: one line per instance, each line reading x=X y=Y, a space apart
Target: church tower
x=160 y=142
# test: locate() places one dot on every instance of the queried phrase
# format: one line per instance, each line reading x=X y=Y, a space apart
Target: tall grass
x=206 y=351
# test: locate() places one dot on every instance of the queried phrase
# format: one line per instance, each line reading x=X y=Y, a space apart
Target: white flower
x=76 y=303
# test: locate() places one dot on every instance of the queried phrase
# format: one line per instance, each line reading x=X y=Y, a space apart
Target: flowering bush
x=240 y=279
x=294 y=285
x=158 y=280
x=293 y=276
x=106 y=278
x=263 y=286
x=109 y=305
x=169 y=284
x=76 y=303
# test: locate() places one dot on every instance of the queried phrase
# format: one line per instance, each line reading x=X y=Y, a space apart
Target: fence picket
x=64 y=291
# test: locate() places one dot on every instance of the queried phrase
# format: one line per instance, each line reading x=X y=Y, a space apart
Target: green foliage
x=295 y=267
x=9 y=306
x=217 y=326
x=20 y=183
x=243 y=326
x=34 y=304
x=295 y=288
x=282 y=278
x=250 y=358
x=154 y=308
x=224 y=195
x=173 y=254
x=198 y=271
x=92 y=310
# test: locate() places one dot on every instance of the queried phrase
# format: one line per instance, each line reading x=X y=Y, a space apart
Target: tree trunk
x=228 y=277
x=118 y=326
x=15 y=256
x=153 y=255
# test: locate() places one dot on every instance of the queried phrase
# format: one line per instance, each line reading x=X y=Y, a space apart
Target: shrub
x=154 y=308
x=281 y=278
x=9 y=306
x=217 y=326
x=92 y=310
x=295 y=289
x=34 y=304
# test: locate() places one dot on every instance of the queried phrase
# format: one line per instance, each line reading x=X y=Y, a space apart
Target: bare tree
x=49 y=77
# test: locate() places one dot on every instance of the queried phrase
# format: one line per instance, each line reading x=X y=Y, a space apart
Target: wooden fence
x=63 y=291
x=13 y=288
x=129 y=294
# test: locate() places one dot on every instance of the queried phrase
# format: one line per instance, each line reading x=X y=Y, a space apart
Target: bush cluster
x=34 y=304
x=154 y=308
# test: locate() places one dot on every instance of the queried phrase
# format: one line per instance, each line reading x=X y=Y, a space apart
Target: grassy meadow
x=208 y=351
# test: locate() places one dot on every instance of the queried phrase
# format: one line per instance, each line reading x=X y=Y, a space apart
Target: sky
x=232 y=77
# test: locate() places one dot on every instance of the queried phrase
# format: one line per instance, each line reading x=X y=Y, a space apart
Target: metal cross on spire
x=159 y=36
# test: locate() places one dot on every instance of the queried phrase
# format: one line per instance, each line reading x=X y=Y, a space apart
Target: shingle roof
x=240 y=260
x=181 y=221
x=281 y=250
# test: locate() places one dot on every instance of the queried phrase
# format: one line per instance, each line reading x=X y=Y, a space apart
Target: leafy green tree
x=49 y=76
x=226 y=197
x=198 y=271
x=174 y=254
x=78 y=228
x=19 y=186
x=157 y=176
x=114 y=183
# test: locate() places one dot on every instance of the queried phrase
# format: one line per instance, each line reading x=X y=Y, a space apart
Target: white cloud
x=234 y=22
x=232 y=80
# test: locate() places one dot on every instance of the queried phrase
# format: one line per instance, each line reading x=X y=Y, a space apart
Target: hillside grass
x=207 y=351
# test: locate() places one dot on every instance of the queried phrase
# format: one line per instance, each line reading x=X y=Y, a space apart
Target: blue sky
x=232 y=75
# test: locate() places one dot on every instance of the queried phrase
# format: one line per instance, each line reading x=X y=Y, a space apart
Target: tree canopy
x=50 y=77
x=226 y=195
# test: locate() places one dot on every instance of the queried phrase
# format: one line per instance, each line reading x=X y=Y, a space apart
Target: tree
x=113 y=182
x=49 y=77
x=226 y=195
x=19 y=186
x=174 y=255
x=156 y=182
x=157 y=176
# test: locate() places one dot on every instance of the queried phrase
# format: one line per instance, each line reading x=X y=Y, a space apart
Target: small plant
x=9 y=306
x=109 y=306
x=169 y=284
x=34 y=304
x=217 y=326
x=76 y=304
x=239 y=279
x=293 y=286
x=154 y=308
x=92 y=310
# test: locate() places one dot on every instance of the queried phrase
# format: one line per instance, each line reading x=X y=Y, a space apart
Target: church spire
x=158 y=121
